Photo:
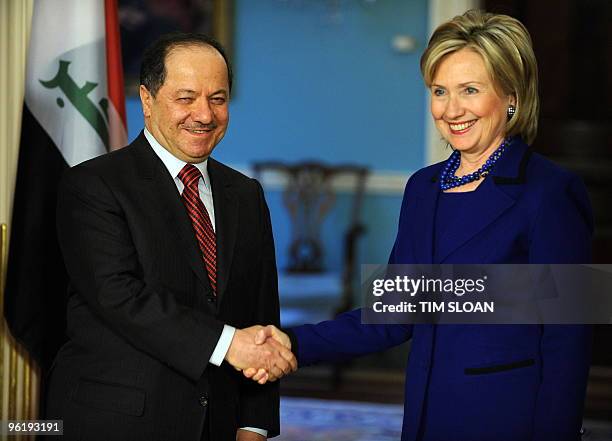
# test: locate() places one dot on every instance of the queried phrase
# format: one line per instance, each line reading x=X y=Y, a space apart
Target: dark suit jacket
x=142 y=321
x=484 y=382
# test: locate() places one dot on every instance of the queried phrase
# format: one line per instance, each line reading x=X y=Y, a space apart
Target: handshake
x=262 y=353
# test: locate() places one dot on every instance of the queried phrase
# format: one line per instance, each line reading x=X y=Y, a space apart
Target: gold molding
x=222 y=31
x=223 y=26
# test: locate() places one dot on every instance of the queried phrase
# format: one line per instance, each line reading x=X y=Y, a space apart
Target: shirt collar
x=172 y=163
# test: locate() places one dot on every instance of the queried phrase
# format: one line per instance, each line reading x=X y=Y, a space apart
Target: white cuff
x=262 y=432
x=218 y=356
x=223 y=345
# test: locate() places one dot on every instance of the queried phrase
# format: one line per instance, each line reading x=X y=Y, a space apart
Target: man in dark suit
x=170 y=253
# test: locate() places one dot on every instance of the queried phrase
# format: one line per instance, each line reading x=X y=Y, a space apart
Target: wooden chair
x=310 y=292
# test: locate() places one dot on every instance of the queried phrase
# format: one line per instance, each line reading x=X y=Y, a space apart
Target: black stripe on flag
x=36 y=285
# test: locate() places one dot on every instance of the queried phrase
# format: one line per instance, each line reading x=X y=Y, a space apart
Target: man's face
x=189 y=114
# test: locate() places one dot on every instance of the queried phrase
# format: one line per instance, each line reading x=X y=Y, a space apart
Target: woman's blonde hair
x=505 y=46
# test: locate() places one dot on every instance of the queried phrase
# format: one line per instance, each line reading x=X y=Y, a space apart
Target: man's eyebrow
x=220 y=91
x=187 y=91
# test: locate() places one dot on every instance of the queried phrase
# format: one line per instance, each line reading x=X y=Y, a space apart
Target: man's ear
x=145 y=100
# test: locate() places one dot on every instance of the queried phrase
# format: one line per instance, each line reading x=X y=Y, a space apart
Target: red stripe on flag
x=114 y=67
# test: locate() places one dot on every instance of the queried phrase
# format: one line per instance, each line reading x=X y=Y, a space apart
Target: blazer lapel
x=494 y=203
x=423 y=222
x=226 y=223
x=163 y=191
x=495 y=195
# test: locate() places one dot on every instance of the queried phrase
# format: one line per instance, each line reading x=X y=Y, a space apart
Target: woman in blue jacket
x=492 y=201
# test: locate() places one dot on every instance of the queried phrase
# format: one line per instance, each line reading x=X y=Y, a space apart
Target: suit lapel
x=495 y=194
x=226 y=222
x=494 y=202
x=170 y=206
x=424 y=222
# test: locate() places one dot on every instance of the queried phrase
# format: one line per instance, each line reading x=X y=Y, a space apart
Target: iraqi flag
x=74 y=110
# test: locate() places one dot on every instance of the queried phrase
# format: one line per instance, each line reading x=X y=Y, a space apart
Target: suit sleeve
x=104 y=268
x=259 y=405
x=346 y=336
x=561 y=233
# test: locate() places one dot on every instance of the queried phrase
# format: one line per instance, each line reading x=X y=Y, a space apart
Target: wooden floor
x=598 y=404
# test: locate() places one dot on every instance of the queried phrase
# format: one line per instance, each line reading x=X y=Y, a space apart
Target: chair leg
x=337 y=374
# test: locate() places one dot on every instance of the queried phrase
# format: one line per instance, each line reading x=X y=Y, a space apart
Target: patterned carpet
x=304 y=419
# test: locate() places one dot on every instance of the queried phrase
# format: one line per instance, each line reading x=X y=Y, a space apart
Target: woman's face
x=465 y=104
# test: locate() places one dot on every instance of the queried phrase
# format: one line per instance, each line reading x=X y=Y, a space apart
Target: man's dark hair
x=153 y=67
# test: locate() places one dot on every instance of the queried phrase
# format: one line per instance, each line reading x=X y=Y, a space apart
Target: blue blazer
x=484 y=382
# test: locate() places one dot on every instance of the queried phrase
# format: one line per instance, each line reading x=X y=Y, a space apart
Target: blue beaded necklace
x=449 y=180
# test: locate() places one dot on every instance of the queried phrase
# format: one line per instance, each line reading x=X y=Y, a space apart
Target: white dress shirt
x=174 y=166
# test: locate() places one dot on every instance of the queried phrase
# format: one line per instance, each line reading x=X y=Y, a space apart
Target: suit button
x=203 y=401
x=211 y=300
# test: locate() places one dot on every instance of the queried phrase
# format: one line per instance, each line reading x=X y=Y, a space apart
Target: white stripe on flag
x=72 y=31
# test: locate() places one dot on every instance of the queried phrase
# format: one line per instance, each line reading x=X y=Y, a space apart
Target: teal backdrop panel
x=312 y=82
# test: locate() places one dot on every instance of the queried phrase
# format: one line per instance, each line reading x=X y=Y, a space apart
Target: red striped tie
x=205 y=234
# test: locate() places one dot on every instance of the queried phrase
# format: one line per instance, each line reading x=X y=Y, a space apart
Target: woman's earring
x=511 y=111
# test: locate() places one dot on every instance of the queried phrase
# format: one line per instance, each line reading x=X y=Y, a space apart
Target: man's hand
x=262 y=336
x=270 y=359
x=247 y=435
x=271 y=331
